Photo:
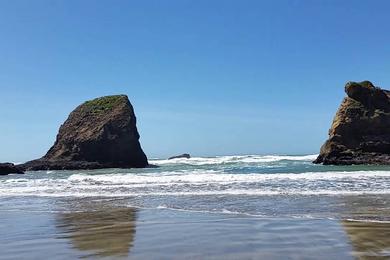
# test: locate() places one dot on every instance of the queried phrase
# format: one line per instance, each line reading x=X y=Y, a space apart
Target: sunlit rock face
x=100 y=133
x=360 y=132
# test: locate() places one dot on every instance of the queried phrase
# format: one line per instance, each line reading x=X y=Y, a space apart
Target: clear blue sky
x=205 y=77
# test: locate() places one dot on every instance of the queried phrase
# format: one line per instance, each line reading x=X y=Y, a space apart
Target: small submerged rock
x=8 y=168
x=360 y=132
x=100 y=133
x=184 y=155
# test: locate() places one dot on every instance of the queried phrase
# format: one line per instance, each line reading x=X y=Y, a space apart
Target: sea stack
x=360 y=132
x=100 y=133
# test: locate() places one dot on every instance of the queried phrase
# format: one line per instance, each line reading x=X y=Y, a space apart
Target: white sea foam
x=234 y=159
x=250 y=185
x=204 y=177
x=17 y=163
x=223 y=175
x=41 y=192
x=201 y=183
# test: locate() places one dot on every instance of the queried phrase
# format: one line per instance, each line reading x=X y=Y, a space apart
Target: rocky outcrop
x=360 y=132
x=8 y=168
x=184 y=155
x=100 y=133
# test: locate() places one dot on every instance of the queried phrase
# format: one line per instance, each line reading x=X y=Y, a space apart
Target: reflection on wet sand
x=105 y=232
x=369 y=239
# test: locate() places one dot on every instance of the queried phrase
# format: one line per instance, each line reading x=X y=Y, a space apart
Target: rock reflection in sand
x=104 y=232
x=369 y=239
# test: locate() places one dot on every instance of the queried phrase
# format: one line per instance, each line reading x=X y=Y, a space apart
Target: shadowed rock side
x=100 y=133
x=360 y=132
x=8 y=168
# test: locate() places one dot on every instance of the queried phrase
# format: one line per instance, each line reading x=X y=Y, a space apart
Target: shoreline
x=235 y=207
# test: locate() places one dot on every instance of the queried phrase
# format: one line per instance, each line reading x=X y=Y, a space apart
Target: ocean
x=230 y=207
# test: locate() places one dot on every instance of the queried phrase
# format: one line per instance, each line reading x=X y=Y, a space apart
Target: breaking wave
x=215 y=176
x=253 y=185
x=201 y=183
x=234 y=159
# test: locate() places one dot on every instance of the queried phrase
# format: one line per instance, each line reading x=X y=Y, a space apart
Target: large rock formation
x=360 y=132
x=8 y=168
x=100 y=133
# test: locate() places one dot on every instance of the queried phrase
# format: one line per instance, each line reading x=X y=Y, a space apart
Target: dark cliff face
x=360 y=132
x=99 y=133
x=9 y=168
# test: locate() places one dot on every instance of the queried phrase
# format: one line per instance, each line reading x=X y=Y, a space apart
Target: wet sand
x=370 y=240
x=107 y=229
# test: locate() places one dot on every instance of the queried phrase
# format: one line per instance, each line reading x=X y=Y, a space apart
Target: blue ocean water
x=270 y=185
x=224 y=207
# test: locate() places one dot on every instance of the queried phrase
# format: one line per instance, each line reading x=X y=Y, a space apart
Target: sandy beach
x=59 y=228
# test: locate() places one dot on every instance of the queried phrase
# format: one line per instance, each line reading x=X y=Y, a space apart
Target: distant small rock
x=184 y=155
x=7 y=168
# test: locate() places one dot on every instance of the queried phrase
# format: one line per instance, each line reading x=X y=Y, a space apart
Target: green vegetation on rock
x=99 y=105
